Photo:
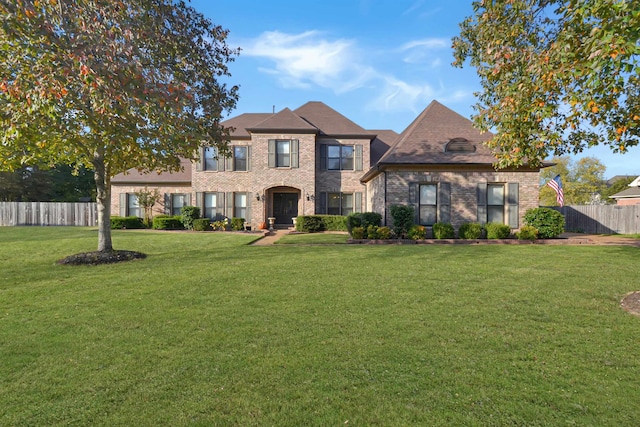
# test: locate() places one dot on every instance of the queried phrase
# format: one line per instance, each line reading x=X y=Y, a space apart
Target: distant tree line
x=61 y=183
x=583 y=182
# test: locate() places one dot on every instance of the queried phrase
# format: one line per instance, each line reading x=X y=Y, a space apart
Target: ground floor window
x=240 y=205
x=495 y=203
x=210 y=205
x=177 y=202
x=133 y=207
x=428 y=204
x=339 y=203
x=499 y=203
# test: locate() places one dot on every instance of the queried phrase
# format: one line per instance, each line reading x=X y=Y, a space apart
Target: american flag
x=556 y=184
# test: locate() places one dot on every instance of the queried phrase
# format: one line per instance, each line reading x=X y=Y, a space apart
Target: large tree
x=582 y=181
x=558 y=76
x=110 y=85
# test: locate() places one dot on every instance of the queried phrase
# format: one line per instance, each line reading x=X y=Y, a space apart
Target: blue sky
x=377 y=62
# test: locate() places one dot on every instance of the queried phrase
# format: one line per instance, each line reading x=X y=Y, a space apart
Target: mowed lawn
x=210 y=331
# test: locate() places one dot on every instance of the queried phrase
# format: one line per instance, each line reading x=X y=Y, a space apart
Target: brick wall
x=159 y=208
x=463 y=190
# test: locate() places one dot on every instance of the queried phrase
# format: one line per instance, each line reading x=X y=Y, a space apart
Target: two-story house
x=313 y=160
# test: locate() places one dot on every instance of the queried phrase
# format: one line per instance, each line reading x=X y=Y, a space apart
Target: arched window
x=459 y=145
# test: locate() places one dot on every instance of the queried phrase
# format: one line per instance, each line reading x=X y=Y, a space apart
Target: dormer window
x=459 y=145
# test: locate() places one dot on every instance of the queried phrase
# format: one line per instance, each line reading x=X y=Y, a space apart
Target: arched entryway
x=285 y=203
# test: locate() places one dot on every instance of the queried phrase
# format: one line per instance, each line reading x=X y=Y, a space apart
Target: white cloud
x=310 y=60
x=301 y=60
x=425 y=51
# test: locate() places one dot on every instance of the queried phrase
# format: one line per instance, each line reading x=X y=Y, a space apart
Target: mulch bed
x=98 y=258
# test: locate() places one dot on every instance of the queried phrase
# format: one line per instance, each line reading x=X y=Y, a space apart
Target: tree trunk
x=103 y=202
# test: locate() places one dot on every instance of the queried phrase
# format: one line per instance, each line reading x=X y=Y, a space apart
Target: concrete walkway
x=270 y=237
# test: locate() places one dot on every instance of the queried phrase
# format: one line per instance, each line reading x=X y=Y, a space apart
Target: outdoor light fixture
x=260 y=197
x=310 y=197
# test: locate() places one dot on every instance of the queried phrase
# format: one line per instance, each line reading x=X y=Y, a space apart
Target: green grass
x=209 y=331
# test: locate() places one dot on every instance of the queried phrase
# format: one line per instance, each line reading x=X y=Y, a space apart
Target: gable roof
x=244 y=121
x=632 y=192
x=425 y=140
x=328 y=121
x=285 y=120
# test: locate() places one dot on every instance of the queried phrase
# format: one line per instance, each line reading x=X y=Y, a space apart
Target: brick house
x=629 y=196
x=313 y=160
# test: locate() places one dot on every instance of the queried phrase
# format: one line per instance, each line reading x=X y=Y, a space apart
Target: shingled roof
x=132 y=176
x=328 y=121
x=285 y=120
x=439 y=135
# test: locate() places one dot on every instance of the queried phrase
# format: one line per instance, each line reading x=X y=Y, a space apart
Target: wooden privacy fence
x=48 y=213
x=602 y=219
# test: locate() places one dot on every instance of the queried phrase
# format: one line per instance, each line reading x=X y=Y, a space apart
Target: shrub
x=357 y=233
x=417 y=232
x=363 y=219
x=188 y=215
x=384 y=233
x=310 y=224
x=549 y=222
x=237 y=224
x=497 y=231
x=443 y=230
x=372 y=232
x=527 y=232
x=470 y=230
x=167 y=222
x=334 y=222
x=202 y=224
x=130 y=222
x=402 y=218
x=220 y=225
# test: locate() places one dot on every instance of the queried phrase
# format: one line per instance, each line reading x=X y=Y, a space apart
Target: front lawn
x=210 y=331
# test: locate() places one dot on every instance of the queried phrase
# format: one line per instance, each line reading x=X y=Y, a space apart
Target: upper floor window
x=210 y=158
x=283 y=153
x=240 y=157
x=341 y=157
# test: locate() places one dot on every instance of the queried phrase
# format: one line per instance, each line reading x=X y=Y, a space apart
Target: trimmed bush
x=470 y=231
x=417 y=232
x=497 y=231
x=402 y=218
x=443 y=230
x=167 y=222
x=188 y=215
x=334 y=222
x=549 y=222
x=315 y=223
x=126 y=222
x=237 y=224
x=202 y=224
x=310 y=224
x=527 y=232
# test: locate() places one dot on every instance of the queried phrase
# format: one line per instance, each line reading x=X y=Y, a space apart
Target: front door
x=285 y=207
